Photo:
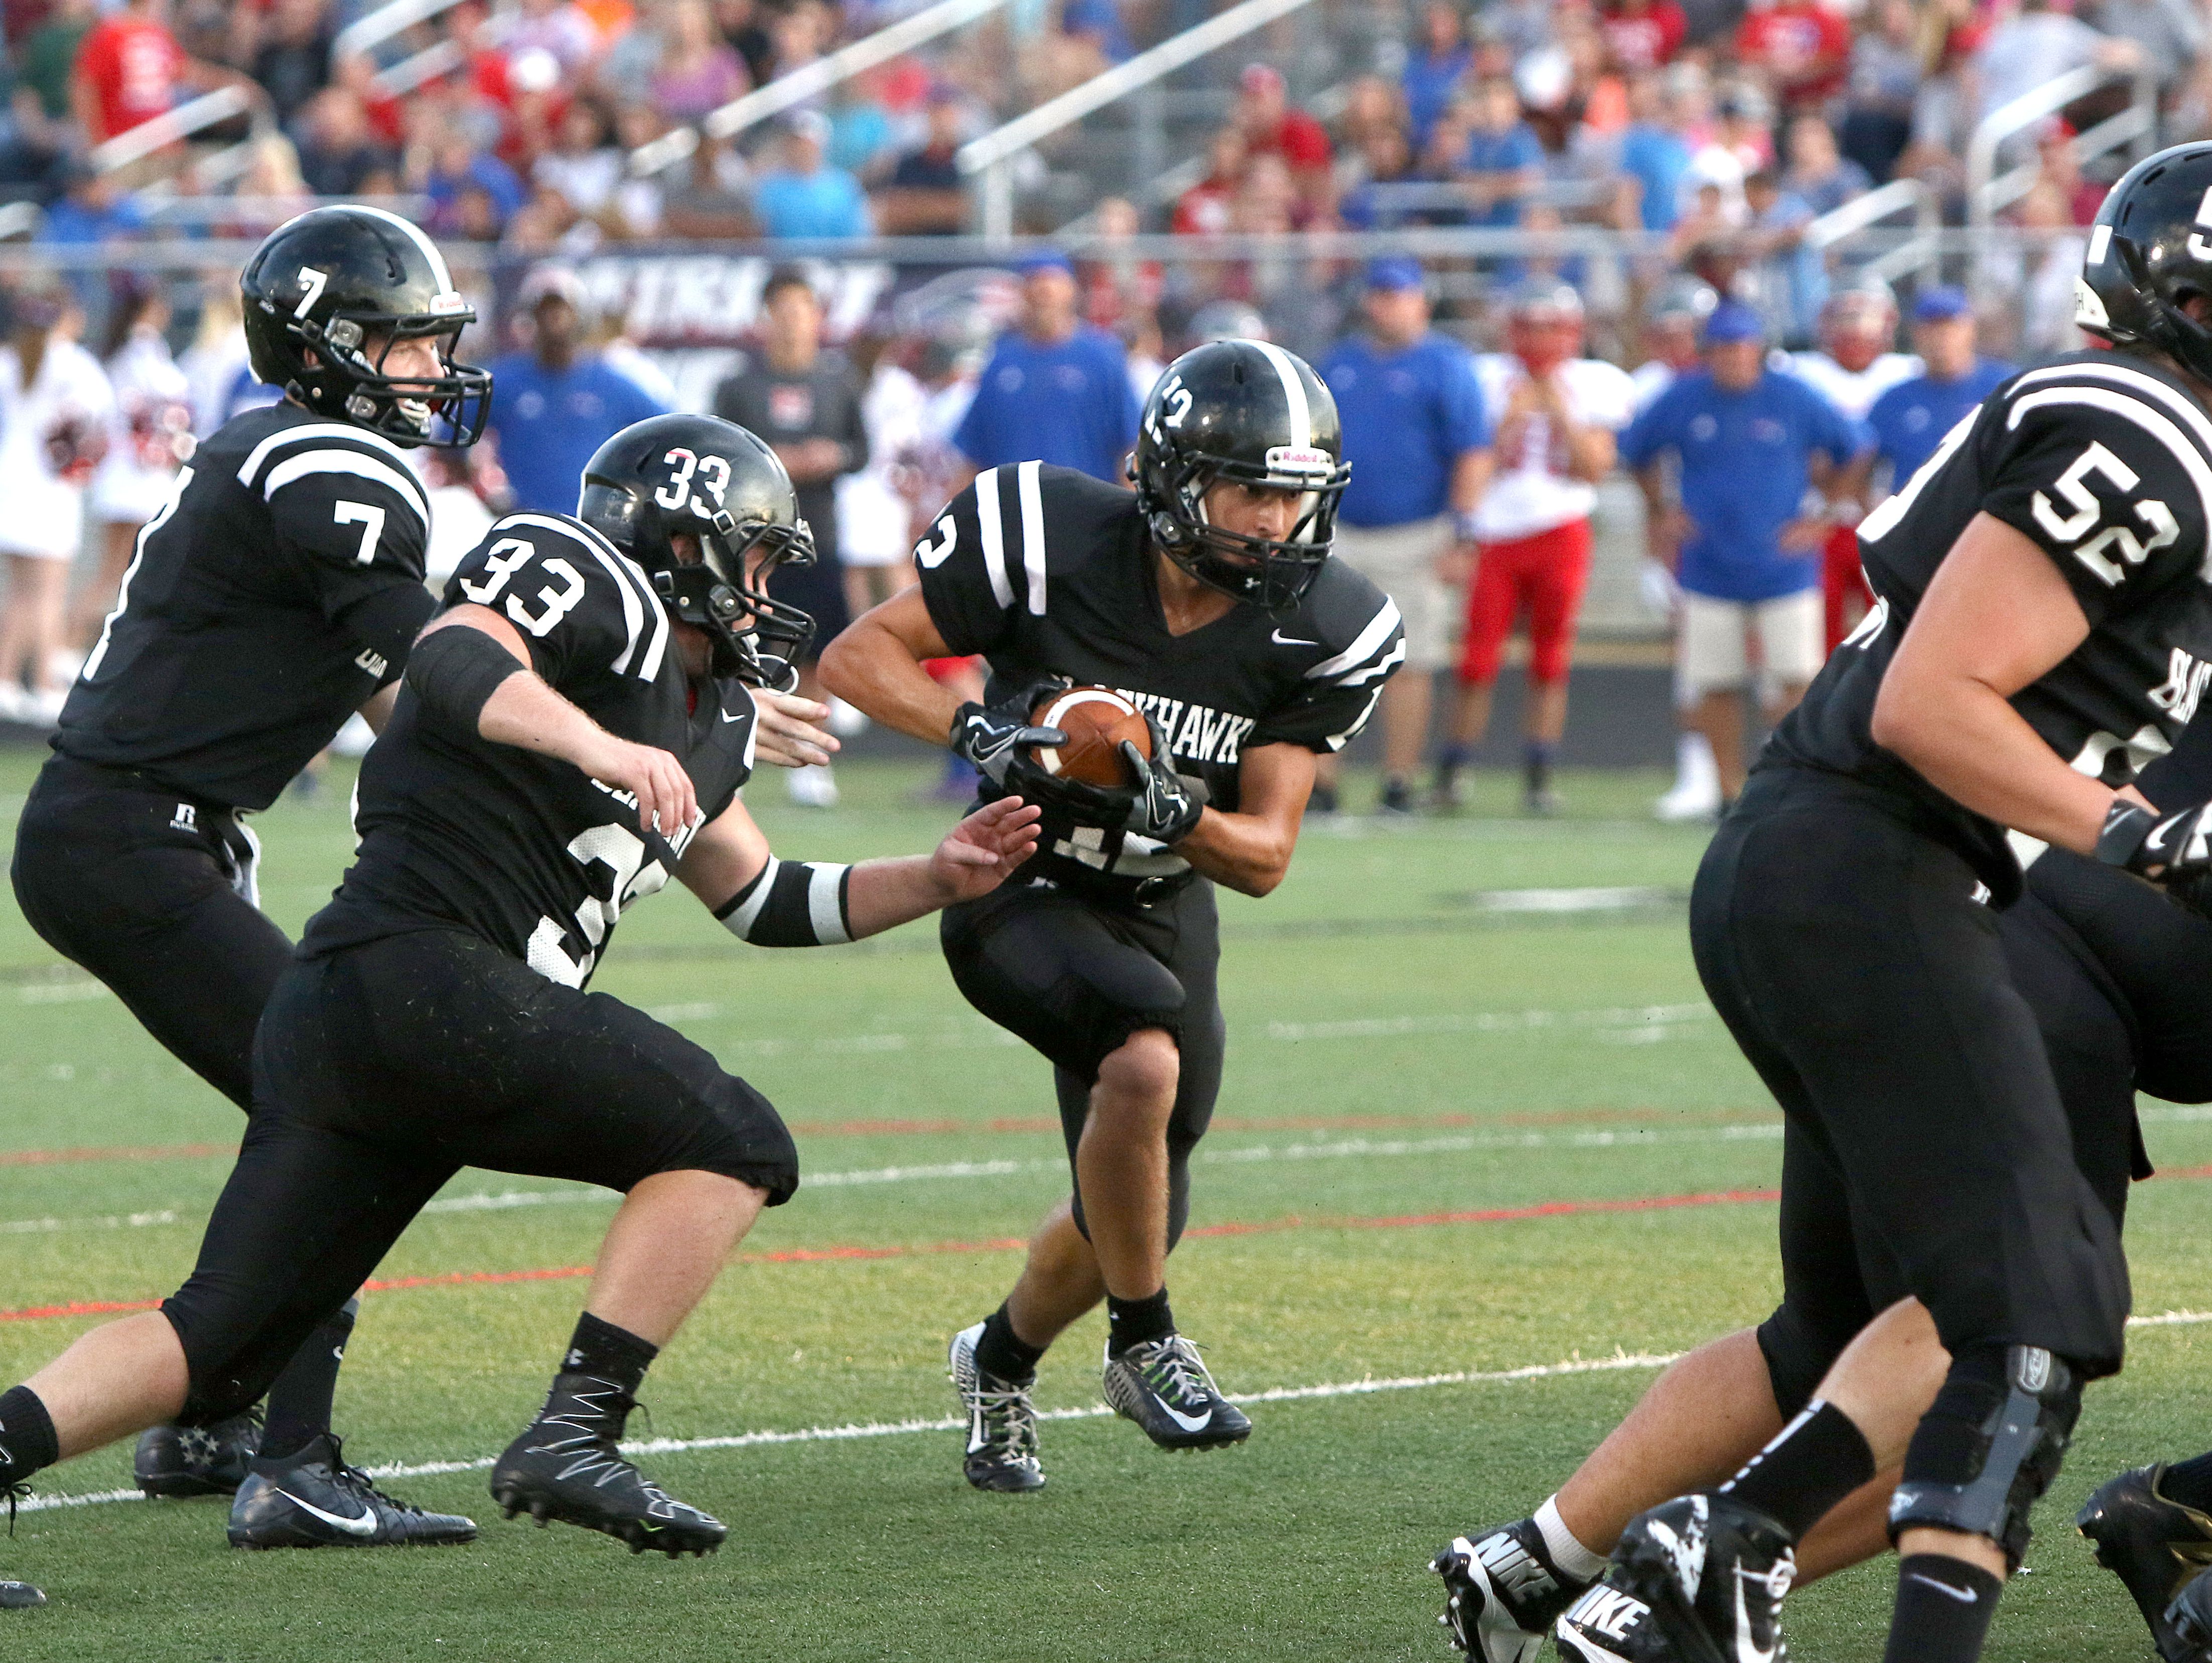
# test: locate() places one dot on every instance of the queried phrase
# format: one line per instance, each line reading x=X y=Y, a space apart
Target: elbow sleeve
x=792 y=903
x=454 y=671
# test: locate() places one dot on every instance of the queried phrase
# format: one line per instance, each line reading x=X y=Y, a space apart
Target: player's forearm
x=1470 y=478
x=376 y=710
x=884 y=893
x=526 y=712
x=1965 y=738
x=871 y=670
x=1249 y=854
x=1590 y=453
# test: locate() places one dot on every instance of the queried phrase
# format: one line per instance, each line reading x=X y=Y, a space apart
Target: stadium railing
x=1899 y=196
x=994 y=155
x=809 y=81
x=2135 y=127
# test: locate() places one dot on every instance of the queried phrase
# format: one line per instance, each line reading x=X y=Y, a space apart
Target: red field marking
x=48 y=1158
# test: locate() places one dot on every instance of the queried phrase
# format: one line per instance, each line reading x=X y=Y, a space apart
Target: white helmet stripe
x=1294 y=393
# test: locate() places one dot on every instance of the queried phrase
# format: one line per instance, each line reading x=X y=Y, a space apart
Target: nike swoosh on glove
x=1167 y=805
x=995 y=737
x=2173 y=849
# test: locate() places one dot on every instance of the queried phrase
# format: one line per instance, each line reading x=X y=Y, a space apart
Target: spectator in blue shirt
x=806 y=196
x=1750 y=446
x=1653 y=151
x=1434 y=69
x=555 y=404
x=1504 y=162
x=1056 y=390
x=1418 y=439
x=1910 y=419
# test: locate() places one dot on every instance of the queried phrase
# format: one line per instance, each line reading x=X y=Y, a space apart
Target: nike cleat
x=2189 y=1620
x=197 y=1460
x=567 y=1465
x=315 y=1500
x=1502 y=1593
x=1002 y=1438
x=1162 y=1386
x=1696 y=1579
x=2154 y=1546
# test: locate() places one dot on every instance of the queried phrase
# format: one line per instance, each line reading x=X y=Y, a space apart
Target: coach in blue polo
x=1910 y=420
x=1056 y=389
x=1418 y=439
x=1755 y=448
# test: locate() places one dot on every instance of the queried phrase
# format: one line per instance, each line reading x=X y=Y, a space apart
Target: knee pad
x=1797 y=1359
x=1989 y=1446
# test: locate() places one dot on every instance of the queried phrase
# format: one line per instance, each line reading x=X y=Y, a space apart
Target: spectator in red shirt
x=1203 y=210
x=1643 y=34
x=1803 y=45
x=1272 y=127
x=129 y=69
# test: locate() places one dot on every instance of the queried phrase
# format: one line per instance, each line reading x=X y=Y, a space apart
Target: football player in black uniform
x=574 y=728
x=1207 y=598
x=2042 y=613
x=274 y=594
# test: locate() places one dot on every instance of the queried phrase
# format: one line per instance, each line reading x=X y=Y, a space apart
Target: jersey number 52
x=2088 y=512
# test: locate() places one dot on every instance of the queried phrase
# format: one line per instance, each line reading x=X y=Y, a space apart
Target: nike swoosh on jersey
x=727 y=717
x=363 y=1526
x=1281 y=640
x=1964 y=1596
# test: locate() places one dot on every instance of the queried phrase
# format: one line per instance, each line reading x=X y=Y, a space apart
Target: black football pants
x=383 y=1068
x=1927 y=1150
x=154 y=893
x=1075 y=977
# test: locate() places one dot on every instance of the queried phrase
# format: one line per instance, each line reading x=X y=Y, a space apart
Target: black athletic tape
x=454 y=671
x=793 y=904
x=1988 y=1446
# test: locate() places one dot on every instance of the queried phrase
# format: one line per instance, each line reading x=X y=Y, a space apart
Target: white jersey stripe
x=1294 y=394
x=307 y=464
x=2149 y=387
x=994 y=537
x=1369 y=642
x=1031 y=494
x=316 y=430
x=2191 y=459
x=822 y=911
x=1382 y=666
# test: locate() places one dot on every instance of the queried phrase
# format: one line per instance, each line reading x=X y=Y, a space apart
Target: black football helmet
x=2150 y=249
x=324 y=286
x=711 y=478
x=1250 y=412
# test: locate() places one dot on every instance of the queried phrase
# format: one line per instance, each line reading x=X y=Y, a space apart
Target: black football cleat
x=1002 y=1436
x=567 y=1465
x=1162 y=1386
x=1696 y=1580
x=1502 y=1593
x=315 y=1500
x=2189 y=1620
x=20 y=1596
x=2154 y=1546
x=197 y=1460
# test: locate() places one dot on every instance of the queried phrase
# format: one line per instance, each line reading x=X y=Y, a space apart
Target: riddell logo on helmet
x=1299 y=459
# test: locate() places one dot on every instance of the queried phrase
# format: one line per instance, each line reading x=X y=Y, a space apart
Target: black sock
x=28 y=1440
x=1133 y=1321
x=1536 y=764
x=300 y=1401
x=1943 y=1610
x=608 y=1353
x=2189 y=1483
x=1814 y=1462
x=1002 y=1353
x=1449 y=761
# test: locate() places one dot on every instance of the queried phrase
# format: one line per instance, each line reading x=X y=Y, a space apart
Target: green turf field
x=1418 y=1046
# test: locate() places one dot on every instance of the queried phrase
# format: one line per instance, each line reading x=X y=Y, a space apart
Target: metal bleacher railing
x=2135 y=127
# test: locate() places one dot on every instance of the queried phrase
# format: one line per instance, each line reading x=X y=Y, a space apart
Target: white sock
x=1568 y=1554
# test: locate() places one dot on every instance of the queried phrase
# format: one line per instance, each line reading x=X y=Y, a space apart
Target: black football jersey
x=1048 y=572
x=2103 y=461
x=523 y=849
x=228 y=661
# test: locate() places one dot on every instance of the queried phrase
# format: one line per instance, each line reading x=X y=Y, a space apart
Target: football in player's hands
x=1098 y=722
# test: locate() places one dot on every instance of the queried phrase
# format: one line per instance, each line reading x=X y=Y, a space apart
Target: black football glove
x=1167 y=805
x=2170 y=849
x=995 y=738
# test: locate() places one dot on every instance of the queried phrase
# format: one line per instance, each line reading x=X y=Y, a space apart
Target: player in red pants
x=1560 y=412
x=1854 y=367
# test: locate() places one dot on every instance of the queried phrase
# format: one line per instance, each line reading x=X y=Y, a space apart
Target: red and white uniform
x=1853 y=391
x=1533 y=523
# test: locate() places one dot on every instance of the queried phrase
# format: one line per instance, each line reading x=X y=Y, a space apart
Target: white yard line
x=1617 y=1363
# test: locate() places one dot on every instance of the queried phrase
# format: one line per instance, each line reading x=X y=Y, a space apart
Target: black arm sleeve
x=387 y=622
x=454 y=671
